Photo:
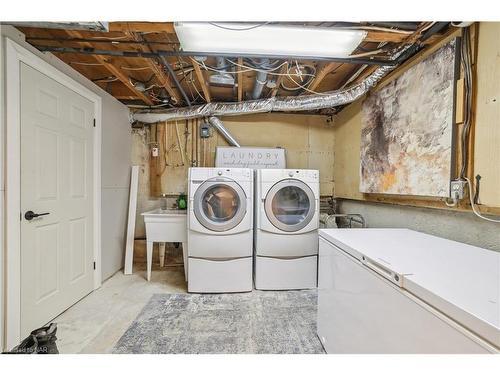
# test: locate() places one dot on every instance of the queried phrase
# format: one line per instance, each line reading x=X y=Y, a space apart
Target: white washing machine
x=286 y=229
x=220 y=230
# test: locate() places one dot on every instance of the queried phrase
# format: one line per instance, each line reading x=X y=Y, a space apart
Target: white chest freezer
x=402 y=291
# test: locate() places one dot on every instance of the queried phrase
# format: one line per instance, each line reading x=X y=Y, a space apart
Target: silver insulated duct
x=218 y=124
x=277 y=104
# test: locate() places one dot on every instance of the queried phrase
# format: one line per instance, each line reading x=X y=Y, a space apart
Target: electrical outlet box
x=205 y=130
x=155 y=152
x=457 y=189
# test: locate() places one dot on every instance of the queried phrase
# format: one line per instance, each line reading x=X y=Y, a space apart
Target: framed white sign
x=250 y=157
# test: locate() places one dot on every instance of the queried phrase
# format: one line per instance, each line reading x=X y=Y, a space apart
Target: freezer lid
x=461 y=280
x=375 y=248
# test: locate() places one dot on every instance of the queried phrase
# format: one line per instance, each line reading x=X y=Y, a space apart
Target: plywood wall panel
x=487 y=127
x=308 y=141
x=347 y=127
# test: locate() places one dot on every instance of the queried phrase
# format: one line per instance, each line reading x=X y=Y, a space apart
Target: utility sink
x=165 y=226
x=161 y=212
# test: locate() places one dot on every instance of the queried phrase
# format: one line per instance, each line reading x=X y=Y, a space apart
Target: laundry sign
x=250 y=157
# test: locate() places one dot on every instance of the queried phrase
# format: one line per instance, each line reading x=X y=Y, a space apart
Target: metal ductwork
x=218 y=124
x=292 y=103
x=277 y=104
x=260 y=80
x=223 y=77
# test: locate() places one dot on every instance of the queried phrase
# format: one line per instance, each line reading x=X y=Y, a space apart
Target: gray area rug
x=257 y=322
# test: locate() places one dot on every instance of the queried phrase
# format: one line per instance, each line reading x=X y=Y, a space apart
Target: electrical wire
x=138 y=106
x=368 y=53
x=312 y=70
x=305 y=88
x=105 y=79
x=139 y=68
x=84 y=63
x=109 y=38
x=181 y=66
x=377 y=28
x=191 y=81
x=238 y=29
x=467 y=68
x=268 y=71
x=473 y=205
x=354 y=76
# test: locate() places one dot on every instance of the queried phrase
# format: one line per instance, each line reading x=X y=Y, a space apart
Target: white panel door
x=56 y=180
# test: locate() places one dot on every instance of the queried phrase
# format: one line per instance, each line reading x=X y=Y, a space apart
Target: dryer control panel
x=306 y=175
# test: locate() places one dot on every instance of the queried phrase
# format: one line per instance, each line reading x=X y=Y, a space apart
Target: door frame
x=15 y=54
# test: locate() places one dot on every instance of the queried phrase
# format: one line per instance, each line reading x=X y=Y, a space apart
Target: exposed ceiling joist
x=161 y=76
x=143 y=27
x=131 y=56
x=202 y=81
x=392 y=37
x=122 y=77
x=240 y=79
x=321 y=74
x=114 y=70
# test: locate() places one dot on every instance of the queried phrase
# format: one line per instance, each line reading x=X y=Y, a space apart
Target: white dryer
x=220 y=230
x=286 y=228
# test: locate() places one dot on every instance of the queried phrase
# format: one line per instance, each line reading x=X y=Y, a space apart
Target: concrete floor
x=95 y=323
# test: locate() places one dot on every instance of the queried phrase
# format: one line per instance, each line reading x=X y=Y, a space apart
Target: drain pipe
x=260 y=80
x=217 y=124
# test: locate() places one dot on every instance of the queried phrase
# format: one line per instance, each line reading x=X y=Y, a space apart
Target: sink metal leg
x=149 y=254
x=161 y=247
x=185 y=259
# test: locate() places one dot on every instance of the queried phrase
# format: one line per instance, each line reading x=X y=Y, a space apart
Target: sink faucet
x=164 y=202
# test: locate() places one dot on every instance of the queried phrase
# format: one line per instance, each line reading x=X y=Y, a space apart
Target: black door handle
x=30 y=215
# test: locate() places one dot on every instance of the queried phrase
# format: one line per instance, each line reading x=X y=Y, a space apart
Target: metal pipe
x=106 y=40
x=119 y=53
x=218 y=124
x=352 y=217
x=176 y=81
x=260 y=80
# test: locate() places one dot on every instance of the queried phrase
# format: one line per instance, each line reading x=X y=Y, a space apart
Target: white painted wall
x=116 y=154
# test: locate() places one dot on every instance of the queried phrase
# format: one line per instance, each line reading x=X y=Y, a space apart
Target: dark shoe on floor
x=40 y=341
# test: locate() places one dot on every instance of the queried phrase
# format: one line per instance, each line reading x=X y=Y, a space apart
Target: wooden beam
x=323 y=72
x=122 y=77
x=161 y=76
x=201 y=80
x=384 y=36
x=143 y=27
x=240 y=79
x=392 y=37
x=125 y=97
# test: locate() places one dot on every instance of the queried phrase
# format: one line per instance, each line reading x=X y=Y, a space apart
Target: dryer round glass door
x=219 y=204
x=290 y=205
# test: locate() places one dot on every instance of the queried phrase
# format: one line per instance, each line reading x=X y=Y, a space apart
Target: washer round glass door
x=219 y=204
x=290 y=205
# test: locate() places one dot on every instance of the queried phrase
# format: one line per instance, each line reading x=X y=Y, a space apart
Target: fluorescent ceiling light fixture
x=267 y=39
